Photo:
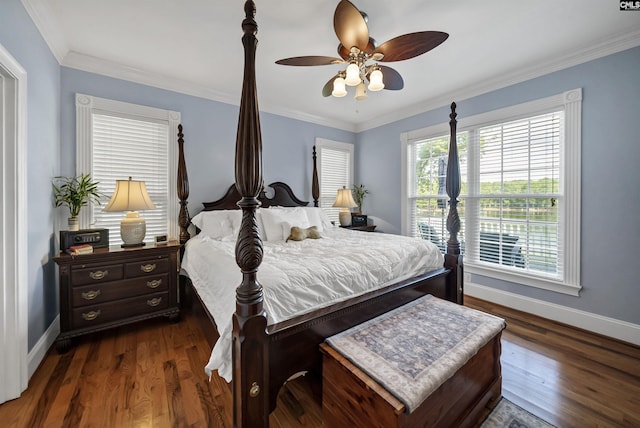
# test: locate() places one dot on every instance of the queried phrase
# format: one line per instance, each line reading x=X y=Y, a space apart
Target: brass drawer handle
x=154 y=284
x=91 y=315
x=99 y=274
x=90 y=295
x=155 y=301
x=148 y=268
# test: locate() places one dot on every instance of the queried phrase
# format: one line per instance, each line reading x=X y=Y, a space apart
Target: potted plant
x=359 y=193
x=75 y=193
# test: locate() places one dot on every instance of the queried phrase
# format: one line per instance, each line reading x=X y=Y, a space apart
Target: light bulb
x=353 y=75
x=361 y=92
x=375 y=80
x=339 y=89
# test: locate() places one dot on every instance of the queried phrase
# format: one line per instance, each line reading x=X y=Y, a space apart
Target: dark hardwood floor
x=151 y=375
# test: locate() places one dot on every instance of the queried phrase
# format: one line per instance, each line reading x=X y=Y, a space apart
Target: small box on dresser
x=116 y=286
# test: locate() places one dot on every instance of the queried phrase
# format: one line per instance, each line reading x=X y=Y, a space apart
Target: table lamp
x=131 y=196
x=344 y=200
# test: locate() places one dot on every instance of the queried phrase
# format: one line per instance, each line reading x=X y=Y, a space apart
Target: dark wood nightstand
x=367 y=228
x=116 y=286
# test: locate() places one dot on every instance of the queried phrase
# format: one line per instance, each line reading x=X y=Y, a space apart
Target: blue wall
x=610 y=176
x=21 y=39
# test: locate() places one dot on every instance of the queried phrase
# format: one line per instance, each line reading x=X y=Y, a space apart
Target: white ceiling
x=194 y=46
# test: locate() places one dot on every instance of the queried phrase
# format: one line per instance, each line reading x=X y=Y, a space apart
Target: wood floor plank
x=152 y=374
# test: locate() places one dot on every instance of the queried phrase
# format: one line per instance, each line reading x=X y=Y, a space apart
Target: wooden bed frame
x=264 y=357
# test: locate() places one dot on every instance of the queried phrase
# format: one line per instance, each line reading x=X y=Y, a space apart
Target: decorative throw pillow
x=299 y=234
x=274 y=219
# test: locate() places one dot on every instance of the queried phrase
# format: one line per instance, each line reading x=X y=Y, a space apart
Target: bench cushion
x=415 y=348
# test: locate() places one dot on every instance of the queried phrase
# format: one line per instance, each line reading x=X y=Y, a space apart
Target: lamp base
x=345 y=217
x=133 y=228
x=142 y=244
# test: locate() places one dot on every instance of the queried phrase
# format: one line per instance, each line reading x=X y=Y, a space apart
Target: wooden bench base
x=350 y=398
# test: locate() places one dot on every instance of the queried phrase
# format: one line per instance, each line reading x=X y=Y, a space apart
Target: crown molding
x=43 y=18
x=617 y=43
x=115 y=70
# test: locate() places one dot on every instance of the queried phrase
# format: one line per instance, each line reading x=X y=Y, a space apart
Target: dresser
x=116 y=286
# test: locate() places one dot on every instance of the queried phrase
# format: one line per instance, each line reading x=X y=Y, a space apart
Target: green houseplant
x=359 y=193
x=75 y=193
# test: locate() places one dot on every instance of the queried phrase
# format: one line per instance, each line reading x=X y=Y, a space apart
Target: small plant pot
x=73 y=223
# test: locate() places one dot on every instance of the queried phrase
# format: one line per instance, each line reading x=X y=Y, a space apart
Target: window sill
x=512 y=275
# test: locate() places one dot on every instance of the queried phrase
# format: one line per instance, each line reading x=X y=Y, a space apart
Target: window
x=117 y=140
x=520 y=198
x=335 y=171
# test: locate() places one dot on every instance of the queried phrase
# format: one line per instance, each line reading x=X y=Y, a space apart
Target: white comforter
x=300 y=276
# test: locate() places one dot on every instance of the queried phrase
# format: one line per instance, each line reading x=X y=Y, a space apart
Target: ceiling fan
x=360 y=51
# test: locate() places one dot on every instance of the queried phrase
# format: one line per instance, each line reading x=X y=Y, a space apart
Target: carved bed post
x=183 y=191
x=250 y=357
x=315 y=187
x=453 y=259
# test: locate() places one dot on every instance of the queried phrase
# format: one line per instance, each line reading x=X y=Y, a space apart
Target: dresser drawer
x=96 y=274
x=119 y=309
x=146 y=267
x=100 y=293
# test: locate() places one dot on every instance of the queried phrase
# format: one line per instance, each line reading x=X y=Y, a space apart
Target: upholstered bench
x=429 y=363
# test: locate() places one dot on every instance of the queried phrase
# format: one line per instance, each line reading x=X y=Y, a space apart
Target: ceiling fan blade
x=391 y=78
x=410 y=45
x=310 y=60
x=327 y=89
x=350 y=26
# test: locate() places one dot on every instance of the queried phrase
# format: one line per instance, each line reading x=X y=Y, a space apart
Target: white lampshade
x=361 y=92
x=353 y=75
x=339 y=88
x=375 y=80
x=131 y=196
x=344 y=200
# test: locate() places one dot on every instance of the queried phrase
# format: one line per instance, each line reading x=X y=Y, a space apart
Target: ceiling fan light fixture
x=361 y=92
x=353 y=75
x=375 y=81
x=339 y=88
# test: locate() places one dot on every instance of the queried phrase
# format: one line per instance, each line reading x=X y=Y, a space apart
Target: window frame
x=322 y=144
x=86 y=106
x=570 y=102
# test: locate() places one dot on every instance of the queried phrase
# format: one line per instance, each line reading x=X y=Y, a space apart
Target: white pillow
x=317 y=217
x=215 y=224
x=273 y=219
x=224 y=224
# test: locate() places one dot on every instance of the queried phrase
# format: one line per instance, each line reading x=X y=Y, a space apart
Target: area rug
x=508 y=415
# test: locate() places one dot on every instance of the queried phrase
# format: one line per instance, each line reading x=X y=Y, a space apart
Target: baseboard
x=39 y=351
x=595 y=323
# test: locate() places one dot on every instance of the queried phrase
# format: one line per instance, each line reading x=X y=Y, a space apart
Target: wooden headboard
x=283 y=196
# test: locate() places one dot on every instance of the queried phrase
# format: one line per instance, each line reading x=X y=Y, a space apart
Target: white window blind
x=123 y=148
x=335 y=171
x=520 y=195
x=516 y=194
x=117 y=140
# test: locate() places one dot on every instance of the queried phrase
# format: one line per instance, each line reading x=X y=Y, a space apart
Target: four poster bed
x=265 y=353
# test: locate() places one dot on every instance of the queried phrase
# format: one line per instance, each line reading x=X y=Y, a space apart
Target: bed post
x=183 y=192
x=250 y=357
x=453 y=259
x=315 y=187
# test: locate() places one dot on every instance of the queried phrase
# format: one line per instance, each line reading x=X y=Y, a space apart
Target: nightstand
x=116 y=286
x=367 y=228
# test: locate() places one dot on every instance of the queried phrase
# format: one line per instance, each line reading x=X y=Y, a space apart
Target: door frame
x=14 y=336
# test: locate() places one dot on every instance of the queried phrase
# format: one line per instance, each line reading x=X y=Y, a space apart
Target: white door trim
x=14 y=376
